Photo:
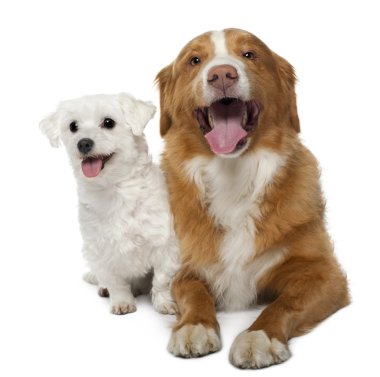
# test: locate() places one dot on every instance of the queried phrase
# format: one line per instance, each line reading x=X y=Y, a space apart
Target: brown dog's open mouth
x=91 y=166
x=227 y=123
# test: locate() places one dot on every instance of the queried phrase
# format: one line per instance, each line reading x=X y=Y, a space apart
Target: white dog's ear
x=49 y=126
x=137 y=113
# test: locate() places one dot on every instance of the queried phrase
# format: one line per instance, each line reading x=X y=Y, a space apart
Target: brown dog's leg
x=197 y=331
x=306 y=291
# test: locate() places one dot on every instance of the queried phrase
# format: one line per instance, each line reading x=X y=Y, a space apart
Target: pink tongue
x=91 y=167
x=227 y=131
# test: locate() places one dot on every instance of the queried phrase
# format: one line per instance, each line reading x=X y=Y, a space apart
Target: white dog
x=124 y=211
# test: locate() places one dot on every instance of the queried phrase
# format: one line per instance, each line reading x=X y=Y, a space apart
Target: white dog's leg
x=164 y=271
x=91 y=278
x=122 y=300
x=161 y=295
x=119 y=291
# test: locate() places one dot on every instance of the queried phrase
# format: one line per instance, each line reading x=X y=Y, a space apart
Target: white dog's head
x=103 y=134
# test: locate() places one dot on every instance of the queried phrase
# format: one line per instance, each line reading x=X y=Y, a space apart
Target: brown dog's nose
x=222 y=76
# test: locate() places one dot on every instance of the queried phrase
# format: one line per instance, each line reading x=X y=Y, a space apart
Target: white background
x=51 y=322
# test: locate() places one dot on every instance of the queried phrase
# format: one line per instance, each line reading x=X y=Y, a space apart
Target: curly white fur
x=124 y=211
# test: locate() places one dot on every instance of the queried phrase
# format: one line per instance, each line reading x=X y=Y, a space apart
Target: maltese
x=124 y=211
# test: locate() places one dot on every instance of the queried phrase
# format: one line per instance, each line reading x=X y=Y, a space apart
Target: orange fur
x=308 y=285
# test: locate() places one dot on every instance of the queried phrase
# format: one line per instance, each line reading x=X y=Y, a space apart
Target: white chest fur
x=232 y=190
x=126 y=227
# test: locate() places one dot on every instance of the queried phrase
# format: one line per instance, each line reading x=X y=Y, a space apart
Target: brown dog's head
x=229 y=90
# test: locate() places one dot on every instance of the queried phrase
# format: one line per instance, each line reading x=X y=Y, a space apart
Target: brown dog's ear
x=288 y=81
x=163 y=80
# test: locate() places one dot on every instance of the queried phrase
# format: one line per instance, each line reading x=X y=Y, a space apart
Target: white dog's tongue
x=91 y=167
x=227 y=130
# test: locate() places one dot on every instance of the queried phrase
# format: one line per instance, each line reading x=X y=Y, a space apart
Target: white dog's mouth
x=92 y=166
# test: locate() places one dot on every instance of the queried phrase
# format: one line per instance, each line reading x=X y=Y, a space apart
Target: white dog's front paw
x=123 y=307
x=163 y=303
x=194 y=341
x=166 y=307
x=254 y=350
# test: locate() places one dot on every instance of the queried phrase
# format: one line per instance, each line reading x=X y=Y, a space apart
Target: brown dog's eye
x=195 y=60
x=108 y=123
x=73 y=127
x=249 y=55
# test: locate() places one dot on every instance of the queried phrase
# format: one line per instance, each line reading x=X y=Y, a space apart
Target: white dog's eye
x=73 y=127
x=108 y=123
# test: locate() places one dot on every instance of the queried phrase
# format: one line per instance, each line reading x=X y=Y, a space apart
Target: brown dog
x=246 y=198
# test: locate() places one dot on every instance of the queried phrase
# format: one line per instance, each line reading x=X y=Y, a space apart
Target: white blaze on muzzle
x=226 y=93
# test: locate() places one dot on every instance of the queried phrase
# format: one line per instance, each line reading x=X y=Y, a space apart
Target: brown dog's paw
x=254 y=350
x=194 y=341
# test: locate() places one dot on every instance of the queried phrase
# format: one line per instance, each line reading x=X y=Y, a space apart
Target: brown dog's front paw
x=194 y=341
x=254 y=350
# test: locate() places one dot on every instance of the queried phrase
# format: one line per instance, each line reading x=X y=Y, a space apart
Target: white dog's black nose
x=85 y=145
